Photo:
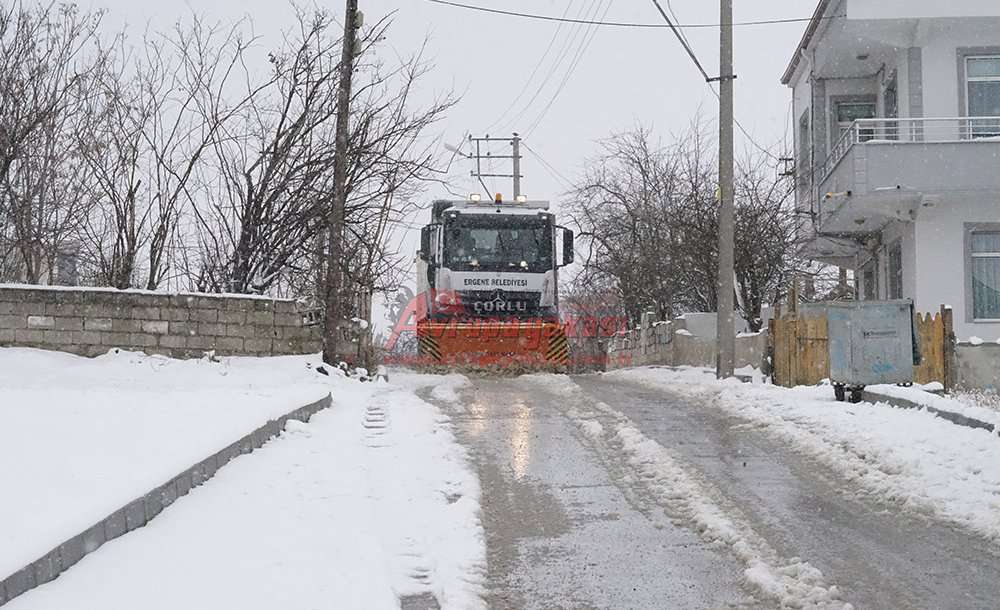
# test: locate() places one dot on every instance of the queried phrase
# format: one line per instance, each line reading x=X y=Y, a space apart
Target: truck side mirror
x=425 y=243
x=567 y=254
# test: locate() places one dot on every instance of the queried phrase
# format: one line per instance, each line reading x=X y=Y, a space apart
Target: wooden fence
x=800 y=349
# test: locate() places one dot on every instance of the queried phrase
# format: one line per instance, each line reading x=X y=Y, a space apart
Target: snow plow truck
x=487 y=284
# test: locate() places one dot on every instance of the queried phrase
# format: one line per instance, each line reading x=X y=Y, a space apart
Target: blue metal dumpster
x=871 y=342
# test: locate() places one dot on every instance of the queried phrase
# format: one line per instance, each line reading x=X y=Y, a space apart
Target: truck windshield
x=489 y=243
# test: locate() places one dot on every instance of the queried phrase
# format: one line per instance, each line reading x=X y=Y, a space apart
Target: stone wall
x=89 y=322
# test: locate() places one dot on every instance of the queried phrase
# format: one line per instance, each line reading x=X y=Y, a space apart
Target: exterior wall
x=940 y=257
x=90 y=322
x=940 y=42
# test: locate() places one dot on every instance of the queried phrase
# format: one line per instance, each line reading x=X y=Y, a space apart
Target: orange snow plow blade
x=494 y=345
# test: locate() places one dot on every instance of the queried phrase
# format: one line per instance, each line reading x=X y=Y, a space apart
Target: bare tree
x=765 y=237
x=49 y=57
x=274 y=163
x=177 y=161
x=627 y=209
x=649 y=216
x=262 y=230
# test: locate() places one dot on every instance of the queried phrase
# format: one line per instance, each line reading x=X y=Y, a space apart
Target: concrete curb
x=955 y=418
x=144 y=509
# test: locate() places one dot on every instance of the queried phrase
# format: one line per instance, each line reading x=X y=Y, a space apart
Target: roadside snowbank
x=371 y=501
x=83 y=437
x=918 y=395
x=910 y=458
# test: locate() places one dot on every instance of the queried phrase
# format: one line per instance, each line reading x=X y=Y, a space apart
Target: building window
x=982 y=75
x=869 y=282
x=896 y=271
x=985 y=252
x=848 y=112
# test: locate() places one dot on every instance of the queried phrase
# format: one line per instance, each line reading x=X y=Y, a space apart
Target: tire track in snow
x=686 y=497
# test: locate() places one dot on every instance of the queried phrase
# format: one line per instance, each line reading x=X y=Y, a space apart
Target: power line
x=572 y=68
x=531 y=78
x=623 y=24
x=551 y=169
x=592 y=9
x=683 y=41
x=670 y=7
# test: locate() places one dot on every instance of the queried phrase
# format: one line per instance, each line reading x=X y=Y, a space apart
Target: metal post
x=516 y=143
x=335 y=313
x=726 y=284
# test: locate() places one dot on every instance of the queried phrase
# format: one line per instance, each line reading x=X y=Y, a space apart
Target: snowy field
x=910 y=458
x=369 y=502
x=83 y=437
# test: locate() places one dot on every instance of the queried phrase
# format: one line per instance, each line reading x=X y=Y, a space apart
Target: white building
x=897 y=124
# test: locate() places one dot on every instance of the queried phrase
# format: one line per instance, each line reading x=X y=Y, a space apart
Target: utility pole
x=479 y=156
x=335 y=313
x=516 y=144
x=726 y=330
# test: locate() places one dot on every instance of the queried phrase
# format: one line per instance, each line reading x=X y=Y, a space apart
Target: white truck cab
x=492 y=260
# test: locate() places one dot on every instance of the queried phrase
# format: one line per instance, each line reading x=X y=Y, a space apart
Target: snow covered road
x=606 y=492
x=568 y=528
x=643 y=489
x=877 y=554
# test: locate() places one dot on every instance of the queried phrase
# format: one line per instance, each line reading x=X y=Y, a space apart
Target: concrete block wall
x=143 y=509
x=977 y=367
x=89 y=322
x=669 y=344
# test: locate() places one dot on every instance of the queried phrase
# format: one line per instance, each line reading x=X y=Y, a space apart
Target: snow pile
x=910 y=458
x=975 y=341
x=371 y=501
x=987 y=399
x=683 y=494
x=88 y=436
x=446 y=388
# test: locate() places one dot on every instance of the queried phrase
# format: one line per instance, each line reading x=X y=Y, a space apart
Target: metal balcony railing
x=937 y=130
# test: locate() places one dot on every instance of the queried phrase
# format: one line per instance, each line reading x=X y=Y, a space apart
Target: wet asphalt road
x=569 y=528
x=561 y=531
x=879 y=556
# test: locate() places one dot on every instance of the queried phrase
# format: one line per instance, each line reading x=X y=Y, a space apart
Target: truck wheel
x=839 y=392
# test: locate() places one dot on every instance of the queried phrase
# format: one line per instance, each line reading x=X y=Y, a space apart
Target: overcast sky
x=624 y=77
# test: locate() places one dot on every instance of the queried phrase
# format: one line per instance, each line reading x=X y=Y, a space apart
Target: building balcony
x=886 y=169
